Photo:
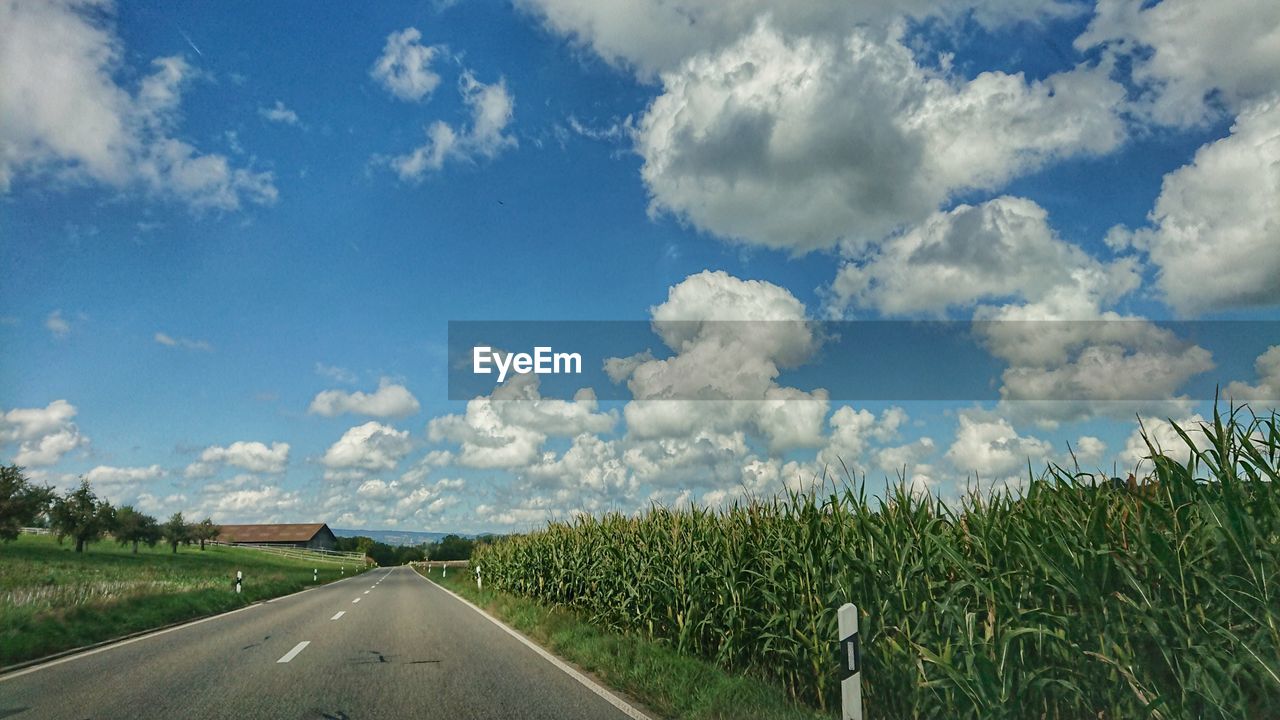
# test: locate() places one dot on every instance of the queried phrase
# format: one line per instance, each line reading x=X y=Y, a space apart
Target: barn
x=316 y=536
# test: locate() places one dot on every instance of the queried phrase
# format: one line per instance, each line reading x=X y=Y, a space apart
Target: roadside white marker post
x=479 y=582
x=850 y=663
x=444 y=572
x=239 y=577
x=315 y=575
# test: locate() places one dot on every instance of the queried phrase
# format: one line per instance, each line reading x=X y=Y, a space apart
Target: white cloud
x=909 y=462
x=368 y=447
x=161 y=507
x=389 y=400
x=49 y=449
x=803 y=143
x=507 y=428
x=1166 y=440
x=170 y=341
x=57 y=325
x=1192 y=56
x=248 y=455
x=1089 y=449
x=63 y=116
x=852 y=434
x=393 y=503
x=278 y=113
x=590 y=464
x=1268 y=388
x=655 y=35
x=108 y=475
x=492 y=109
x=731 y=338
x=267 y=504
x=43 y=435
x=1003 y=248
x=991 y=448
x=1216 y=225
x=1070 y=360
x=404 y=68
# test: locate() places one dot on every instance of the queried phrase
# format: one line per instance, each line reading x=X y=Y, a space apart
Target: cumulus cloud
x=491 y=108
x=278 y=113
x=1216 y=225
x=404 y=67
x=368 y=447
x=803 y=143
x=1068 y=359
x=1089 y=449
x=267 y=504
x=1268 y=388
x=990 y=448
x=187 y=343
x=389 y=400
x=507 y=428
x=1190 y=57
x=1002 y=248
x=248 y=455
x=731 y=339
x=392 y=503
x=43 y=435
x=108 y=475
x=1164 y=437
x=651 y=36
x=63 y=115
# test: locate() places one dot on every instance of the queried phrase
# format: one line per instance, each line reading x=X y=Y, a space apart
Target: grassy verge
x=53 y=599
x=671 y=684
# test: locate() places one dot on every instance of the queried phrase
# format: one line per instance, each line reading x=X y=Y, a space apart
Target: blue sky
x=212 y=215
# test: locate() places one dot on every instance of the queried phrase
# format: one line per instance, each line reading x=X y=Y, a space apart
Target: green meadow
x=54 y=599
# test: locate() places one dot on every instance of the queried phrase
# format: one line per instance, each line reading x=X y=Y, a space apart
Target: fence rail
x=331 y=557
x=36 y=531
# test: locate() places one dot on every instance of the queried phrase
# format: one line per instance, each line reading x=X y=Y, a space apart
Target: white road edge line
x=158 y=633
x=340 y=614
x=294 y=652
x=590 y=684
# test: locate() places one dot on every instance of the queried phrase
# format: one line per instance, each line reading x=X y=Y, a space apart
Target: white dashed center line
x=340 y=614
x=294 y=652
x=366 y=592
x=353 y=602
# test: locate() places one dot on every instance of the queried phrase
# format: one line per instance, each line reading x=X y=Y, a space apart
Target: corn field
x=1073 y=599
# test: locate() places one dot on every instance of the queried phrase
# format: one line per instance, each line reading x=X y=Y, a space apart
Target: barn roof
x=288 y=532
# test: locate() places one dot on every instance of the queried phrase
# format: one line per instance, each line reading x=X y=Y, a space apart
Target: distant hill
x=395 y=537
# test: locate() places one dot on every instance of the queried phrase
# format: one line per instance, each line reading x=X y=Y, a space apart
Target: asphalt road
x=386 y=644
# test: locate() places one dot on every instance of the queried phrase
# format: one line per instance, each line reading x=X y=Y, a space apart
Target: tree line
x=449 y=547
x=79 y=514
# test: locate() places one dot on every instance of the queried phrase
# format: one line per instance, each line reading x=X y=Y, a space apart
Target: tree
x=135 y=527
x=80 y=515
x=450 y=547
x=204 y=531
x=20 y=501
x=176 y=531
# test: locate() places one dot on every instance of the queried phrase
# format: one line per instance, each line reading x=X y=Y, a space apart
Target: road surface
x=386 y=644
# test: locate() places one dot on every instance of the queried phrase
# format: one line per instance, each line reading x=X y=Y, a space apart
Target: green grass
x=1070 y=600
x=53 y=599
x=672 y=684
